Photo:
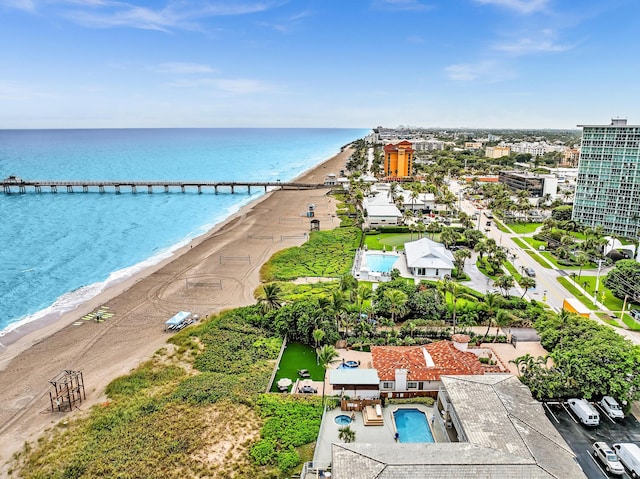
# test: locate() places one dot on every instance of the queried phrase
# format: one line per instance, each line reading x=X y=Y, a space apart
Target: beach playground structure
x=68 y=391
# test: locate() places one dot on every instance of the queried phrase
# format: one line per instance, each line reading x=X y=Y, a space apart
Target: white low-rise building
x=428 y=259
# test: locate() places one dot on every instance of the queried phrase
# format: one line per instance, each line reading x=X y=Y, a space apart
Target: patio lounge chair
x=303 y=373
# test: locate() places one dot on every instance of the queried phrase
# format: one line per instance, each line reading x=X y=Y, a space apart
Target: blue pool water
x=382 y=263
x=412 y=426
x=342 y=420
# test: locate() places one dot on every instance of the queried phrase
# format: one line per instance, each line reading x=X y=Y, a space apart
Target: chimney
x=460 y=341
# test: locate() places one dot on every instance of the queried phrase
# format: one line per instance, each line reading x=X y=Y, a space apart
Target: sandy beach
x=217 y=271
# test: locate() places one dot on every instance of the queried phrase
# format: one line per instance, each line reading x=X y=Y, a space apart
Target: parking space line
x=551 y=412
x=597 y=464
x=604 y=412
x=569 y=412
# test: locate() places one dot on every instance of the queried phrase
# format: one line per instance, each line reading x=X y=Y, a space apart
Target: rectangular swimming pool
x=381 y=263
x=412 y=426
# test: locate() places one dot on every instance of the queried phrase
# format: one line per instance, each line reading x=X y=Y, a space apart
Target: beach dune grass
x=326 y=254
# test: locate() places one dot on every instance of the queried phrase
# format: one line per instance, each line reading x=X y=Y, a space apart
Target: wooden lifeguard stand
x=68 y=391
x=315 y=224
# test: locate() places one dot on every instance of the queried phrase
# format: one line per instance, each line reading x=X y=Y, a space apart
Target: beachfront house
x=428 y=259
x=496 y=431
x=358 y=382
x=409 y=371
x=381 y=211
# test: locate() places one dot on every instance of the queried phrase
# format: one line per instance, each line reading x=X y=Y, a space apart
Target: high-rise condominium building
x=608 y=186
x=398 y=159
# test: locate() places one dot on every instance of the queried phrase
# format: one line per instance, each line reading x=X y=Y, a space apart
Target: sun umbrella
x=285 y=382
x=307 y=382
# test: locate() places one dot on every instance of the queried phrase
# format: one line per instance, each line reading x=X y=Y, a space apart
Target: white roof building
x=428 y=258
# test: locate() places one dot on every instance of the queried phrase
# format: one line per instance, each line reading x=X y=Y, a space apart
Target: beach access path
x=229 y=256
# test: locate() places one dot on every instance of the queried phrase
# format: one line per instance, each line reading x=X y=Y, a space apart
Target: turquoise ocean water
x=59 y=250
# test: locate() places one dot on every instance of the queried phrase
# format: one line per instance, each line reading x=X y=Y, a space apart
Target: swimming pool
x=342 y=420
x=412 y=426
x=381 y=263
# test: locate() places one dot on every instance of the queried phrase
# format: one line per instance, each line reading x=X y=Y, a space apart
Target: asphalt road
x=580 y=438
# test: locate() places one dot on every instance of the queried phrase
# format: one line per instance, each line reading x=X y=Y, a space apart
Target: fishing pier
x=14 y=184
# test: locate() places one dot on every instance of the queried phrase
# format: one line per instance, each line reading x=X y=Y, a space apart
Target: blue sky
x=318 y=63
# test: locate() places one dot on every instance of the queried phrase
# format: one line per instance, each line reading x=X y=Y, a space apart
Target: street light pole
x=595 y=293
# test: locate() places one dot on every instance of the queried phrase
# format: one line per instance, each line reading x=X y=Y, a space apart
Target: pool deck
x=365 y=434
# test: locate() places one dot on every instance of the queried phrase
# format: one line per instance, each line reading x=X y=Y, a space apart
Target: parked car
x=530 y=272
x=603 y=453
x=612 y=408
x=585 y=412
x=488 y=214
x=635 y=313
x=629 y=455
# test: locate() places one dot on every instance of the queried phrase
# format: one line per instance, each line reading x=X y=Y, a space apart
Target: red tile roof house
x=409 y=371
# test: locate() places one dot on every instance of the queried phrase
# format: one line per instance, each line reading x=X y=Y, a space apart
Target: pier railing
x=17 y=185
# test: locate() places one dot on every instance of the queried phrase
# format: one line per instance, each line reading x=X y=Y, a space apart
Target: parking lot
x=580 y=438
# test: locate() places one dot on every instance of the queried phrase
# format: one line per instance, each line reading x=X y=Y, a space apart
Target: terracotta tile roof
x=446 y=360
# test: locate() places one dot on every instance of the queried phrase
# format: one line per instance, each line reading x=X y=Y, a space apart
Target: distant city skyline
x=490 y=64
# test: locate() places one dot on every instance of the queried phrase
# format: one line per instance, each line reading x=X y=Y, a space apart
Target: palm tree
x=526 y=282
x=364 y=293
x=326 y=355
x=490 y=303
x=318 y=335
x=452 y=287
x=349 y=284
x=346 y=434
x=270 y=298
x=460 y=256
x=398 y=301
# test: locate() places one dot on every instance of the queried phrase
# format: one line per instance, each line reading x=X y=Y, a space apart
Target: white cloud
x=182 y=68
x=401 y=5
x=487 y=71
x=544 y=42
x=172 y=15
x=18 y=92
x=521 y=6
x=239 y=86
x=26 y=5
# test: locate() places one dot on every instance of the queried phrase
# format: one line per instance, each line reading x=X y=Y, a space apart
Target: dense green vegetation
x=327 y=253
x=156 y=420
x=588 y=360
x=290 y=422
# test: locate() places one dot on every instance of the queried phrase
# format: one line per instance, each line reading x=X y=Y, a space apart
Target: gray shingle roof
x=509 y=438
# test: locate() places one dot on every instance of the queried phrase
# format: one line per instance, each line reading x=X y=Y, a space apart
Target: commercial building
x=398 y=159
x=536 y=185
x=497 y=151
x=608 y=185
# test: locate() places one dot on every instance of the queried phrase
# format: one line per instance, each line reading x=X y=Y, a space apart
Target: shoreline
x=230 y=254
x=14 y=340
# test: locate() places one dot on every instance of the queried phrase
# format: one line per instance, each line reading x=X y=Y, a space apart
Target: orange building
x=398 y=159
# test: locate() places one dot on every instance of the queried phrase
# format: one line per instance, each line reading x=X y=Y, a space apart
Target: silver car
x=612 y=408
x=603 y=453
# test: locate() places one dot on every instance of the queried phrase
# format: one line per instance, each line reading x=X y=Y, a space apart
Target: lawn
x=536 y=257
x=502 y=227
x=520 y=243
x=535 y=244
x=524 y=228
x=610 y=301
x=607 y=319
x=568 y=284
x=297 y=356
x=512 y=271
x=631 y=323
x=388 y=240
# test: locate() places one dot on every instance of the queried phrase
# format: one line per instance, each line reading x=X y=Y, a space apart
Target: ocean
x=59 y=250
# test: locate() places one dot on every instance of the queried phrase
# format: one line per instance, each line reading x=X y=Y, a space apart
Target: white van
x=586 y=413
x=629 y=455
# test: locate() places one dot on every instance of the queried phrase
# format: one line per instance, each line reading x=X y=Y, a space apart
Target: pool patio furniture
x=307 y=390
x=303 y=373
